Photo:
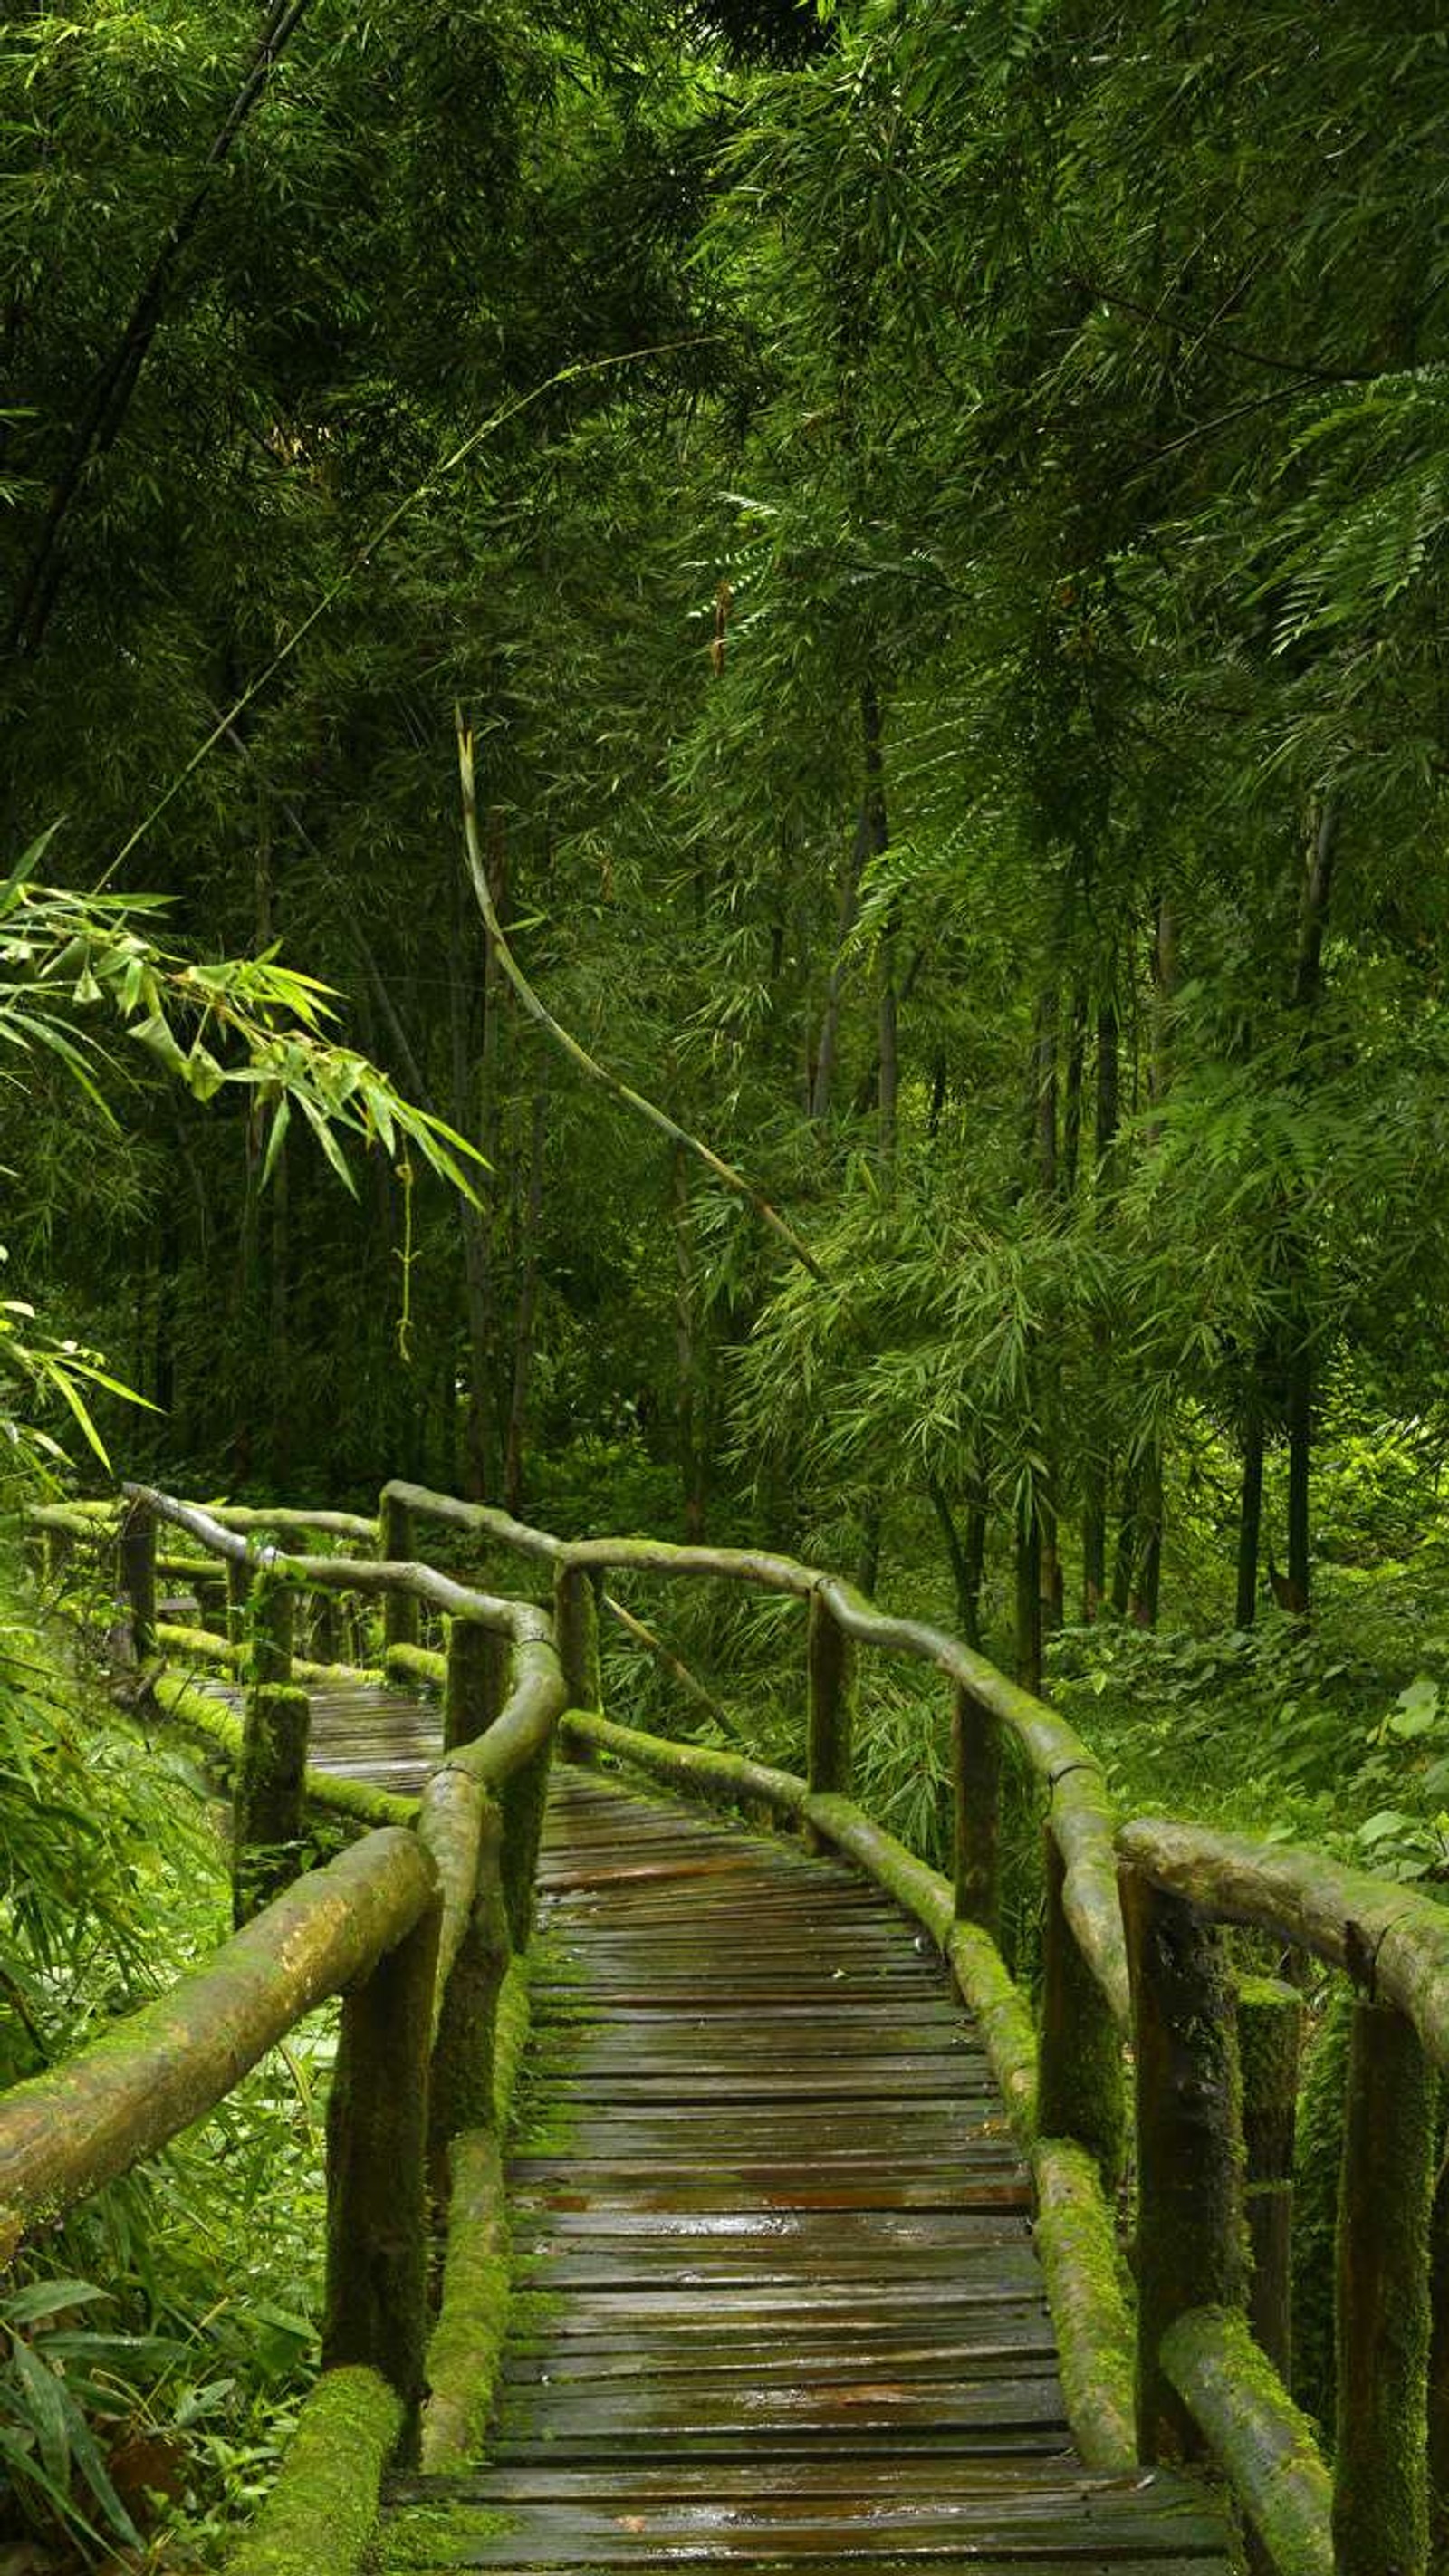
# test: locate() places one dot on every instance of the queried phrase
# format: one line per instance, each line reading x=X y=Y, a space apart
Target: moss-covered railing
x=420 y=1926
x=1137 y=1988
x=1212 y=2317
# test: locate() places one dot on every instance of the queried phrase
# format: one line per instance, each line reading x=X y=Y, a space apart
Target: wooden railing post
x=57 y=1547
x=477 y=1681
x=830 y=1700
x=976 y=1768
x=376 y=2305
x=395 y=1541
x=1190 y=2233
x=239 y=1572
x=1439 y=2373
x=1270 y=2043
x=1080 y=2088
x=323 y=1627
x=576 y=1635
x=1380 y=2486
x=138 y=1575
x=269 y=1803
x=461 y=2092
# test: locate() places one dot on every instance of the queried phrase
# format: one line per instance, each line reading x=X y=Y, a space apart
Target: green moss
x=321 y=2513
x=198 y=1645
x=510 y=2037
x=408 y=1663
x=438 y=2535
x=1257 y=2436
x=1089 y=2293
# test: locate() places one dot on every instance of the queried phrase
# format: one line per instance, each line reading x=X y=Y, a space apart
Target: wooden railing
x=1135 y=1979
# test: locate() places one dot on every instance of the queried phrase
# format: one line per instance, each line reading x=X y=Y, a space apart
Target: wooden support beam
x=1270 y=2044
x=1380 y=2491
x=476 y=1684
x=376 y=2305
x=462 y=2086
x=1191 y=2245
x=976 y=1771
x=830 y=1701
x=1080 y=2090
x=576 y=1634
x=138 y=1576
x=400 y=1620
x=269 y=1800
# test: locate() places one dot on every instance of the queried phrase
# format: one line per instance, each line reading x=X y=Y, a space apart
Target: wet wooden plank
x=777 y=2298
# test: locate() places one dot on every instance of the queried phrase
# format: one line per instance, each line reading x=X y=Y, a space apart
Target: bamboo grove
x=934 y=519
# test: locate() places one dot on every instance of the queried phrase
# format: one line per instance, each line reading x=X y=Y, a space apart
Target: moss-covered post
x=210 y=1591
x=976 y=1767
x=1190 y=2233
x=376 y=2305
x=1270 y=2044
x=1080 y=2091
x=268 y=1803
x=138 y=1575
x=395 y=1542
x=524 y=1797
x=830 y=1701
x=57 y=1549
x=1380 y=2486
x=239 y=1572
x=576 y=1634
x=270 y=1608
x=477 y=1681
x=1439 y=2373
x=323 y=1627
x=462 y=2088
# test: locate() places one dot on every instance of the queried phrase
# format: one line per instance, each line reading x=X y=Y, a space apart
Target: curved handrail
x=1079 y=1813
x=66 y=2132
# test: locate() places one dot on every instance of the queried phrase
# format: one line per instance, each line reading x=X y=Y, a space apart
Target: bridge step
x=778 y=2301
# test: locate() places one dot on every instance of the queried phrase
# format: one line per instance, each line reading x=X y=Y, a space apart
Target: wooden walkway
x=778 y=2302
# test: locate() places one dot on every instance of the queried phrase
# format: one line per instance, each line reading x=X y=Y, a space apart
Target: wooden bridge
x=809 y=2241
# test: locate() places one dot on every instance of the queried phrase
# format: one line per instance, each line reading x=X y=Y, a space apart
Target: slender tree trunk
x=692 y=1455
x=1250 y=1510
x=1126 y=1539
x=1028 y=1595
x=1094 y=1478
x=1072 y=1110
x=1307 y=988
x=1143 y=1604
x=1049 y=1563
x=965 y=1567
x=523 y=1334
x=474 y=1222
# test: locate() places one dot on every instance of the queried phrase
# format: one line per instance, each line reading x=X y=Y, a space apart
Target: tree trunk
x=692 y=1463
x=478 y=1481
x=1094 y=1474
x=527 y=1305
x=1250 y=1511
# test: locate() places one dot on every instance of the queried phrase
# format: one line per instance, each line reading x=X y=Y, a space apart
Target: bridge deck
x=778 y=2299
